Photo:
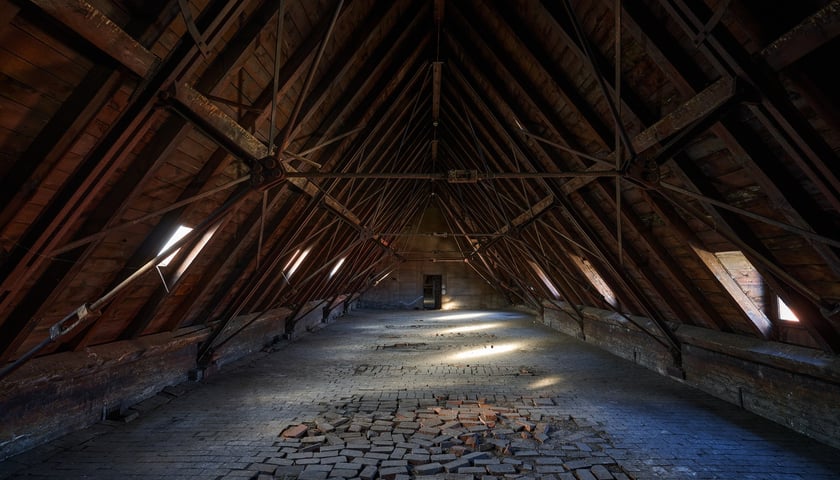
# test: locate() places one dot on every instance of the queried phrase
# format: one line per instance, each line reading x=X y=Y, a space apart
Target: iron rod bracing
x=445 y=176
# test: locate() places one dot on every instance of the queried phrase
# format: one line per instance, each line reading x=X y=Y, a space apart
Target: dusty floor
x=407 y=393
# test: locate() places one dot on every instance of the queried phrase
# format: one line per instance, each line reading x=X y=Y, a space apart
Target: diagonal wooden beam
x=705 y=103
x=774 y=179
x=98 y=29
x=690 y=112
x=528 y=216
x=226 y=131
x=810 y=34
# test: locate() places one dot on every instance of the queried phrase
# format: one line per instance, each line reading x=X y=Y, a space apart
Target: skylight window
x=547 y=281
x=785 y=313
x=291 y=261
x=297 y=262
x=596 y=280
x=180 y=233
x=336 y=267
x=743 y=282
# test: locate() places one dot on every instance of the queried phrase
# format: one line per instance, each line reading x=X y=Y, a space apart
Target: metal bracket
x=462 y=176
x=267 y=172
x=62 y=327
x=193 y=29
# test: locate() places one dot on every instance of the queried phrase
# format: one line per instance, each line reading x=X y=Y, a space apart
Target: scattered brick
x=428 y=468
x=501 y=469
x=390 y=473
x=296 y=431
x=550 y=469
x=378 y=455
x=601 y=472
x=368 y=473
x=416 y=458
x=443 y=457
x=454 y=465
x=473 y=470
x=351 y=453
x=584 y=474
x=314 y=439
x=329 y=460
x=312 y=475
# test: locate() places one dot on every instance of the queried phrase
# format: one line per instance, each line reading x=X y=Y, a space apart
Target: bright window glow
x=461 y=316
x=180 y=233
x=474 y=328
x=297 y=262
x=785 y=313
x=291 y=260
x=547 y=281
x=595 y=279
x=383 y=277
x=336 y=267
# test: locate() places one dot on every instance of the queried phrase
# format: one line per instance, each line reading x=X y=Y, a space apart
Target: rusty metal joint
x=267 y=172
x=192 y=28
x=63 y=326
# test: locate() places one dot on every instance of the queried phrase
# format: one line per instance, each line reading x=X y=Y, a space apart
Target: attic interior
x=658 y=178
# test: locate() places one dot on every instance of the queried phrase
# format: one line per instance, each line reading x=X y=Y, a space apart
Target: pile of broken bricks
x=449 y=439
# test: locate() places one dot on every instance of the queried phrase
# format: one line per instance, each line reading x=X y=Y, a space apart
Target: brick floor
x=399 y=394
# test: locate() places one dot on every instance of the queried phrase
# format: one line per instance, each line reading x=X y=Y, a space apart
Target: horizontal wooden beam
x=813 y=32
x=454 y=176
x=98 y=29
x=535 y=211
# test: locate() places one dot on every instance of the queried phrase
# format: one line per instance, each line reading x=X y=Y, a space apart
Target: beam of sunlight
x=473 y=328
x=487 y=351
x=545 y=382
x=462 y=316
x=450 y=305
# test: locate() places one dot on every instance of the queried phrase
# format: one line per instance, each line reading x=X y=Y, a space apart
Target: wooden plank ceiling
x=632 y=139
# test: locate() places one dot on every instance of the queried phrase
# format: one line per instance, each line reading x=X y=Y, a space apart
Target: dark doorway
x=432 y=292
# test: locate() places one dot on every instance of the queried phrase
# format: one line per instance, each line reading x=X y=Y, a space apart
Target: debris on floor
x=441 y=438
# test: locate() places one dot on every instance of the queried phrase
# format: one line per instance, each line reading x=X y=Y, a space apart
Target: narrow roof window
x=291 y=260
x=785 y=313
x=336 y=267
x=596 y=280
x=297 y=262
x=179 y=233
x=547 y=281
x=743 y=282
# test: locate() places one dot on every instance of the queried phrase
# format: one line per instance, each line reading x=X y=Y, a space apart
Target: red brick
x=294 y=432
